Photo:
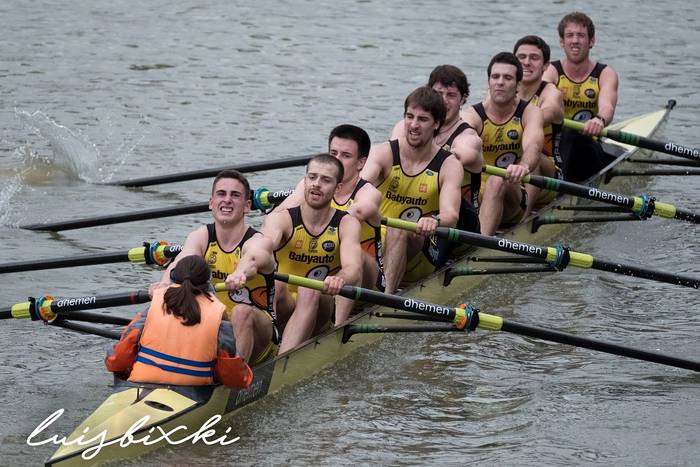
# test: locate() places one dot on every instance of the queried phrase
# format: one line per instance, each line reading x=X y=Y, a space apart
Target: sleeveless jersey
x=472 y=181
x=580 y=99
x=502 y=144
x=368 y=232
x=307 y=255
x=552 y=132
x=259 y=291
x=410 y=197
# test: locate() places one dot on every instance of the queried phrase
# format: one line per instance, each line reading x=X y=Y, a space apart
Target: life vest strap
x=178 y=360
x=175 y=369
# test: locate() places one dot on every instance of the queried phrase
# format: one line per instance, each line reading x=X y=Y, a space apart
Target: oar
x=559 y=257
x=641 y=141
x=471 y=318
x=262 y=199
x=149 y=253
x=48 y=308
x=643 y=206
x=205 y=173
x=108 y=333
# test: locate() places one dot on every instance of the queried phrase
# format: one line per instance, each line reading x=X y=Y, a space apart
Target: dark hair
x=509 y=59
x=193 y=274
x=326 y=158
x=236 y=175
x=429 y=100
x=577 y=18
x=448 y=75
x=354 y=133
x=537 y=41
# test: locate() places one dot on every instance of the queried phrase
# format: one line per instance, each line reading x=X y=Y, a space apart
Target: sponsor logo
x=313 y=244
x=212 y=258
x=513 y=134
x=681 y=149
x=587 y=105
x=429 y=307
x=328 y=246
x=394 y=185
x=308 y=259
x=491 y=148
x=401 y=199
x=429 y=173
x=76 y=301
x=520 y=247
x=590 y=93
x=603 y=195
x=332 y=230
x=504 y=160
x=299 y=244
x=583 y=116
x=423 y=188
x=216 y=274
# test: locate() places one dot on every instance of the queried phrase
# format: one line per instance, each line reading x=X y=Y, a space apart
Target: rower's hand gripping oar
x=641 y=141
x=469 y=318
x=558 y=256
x=643 y=206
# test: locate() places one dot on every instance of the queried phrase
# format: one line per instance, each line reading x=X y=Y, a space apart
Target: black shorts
x=582 y=156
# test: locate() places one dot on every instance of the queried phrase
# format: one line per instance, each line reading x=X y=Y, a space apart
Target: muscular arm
x=472 y=118
x=195 y=244
x=551 y=75
x=467 y=148
x=365 y=206
x=533 y=139
x=351 y=266
x=256 y=257
x=398 y=131
x=607 y=101
x=277 y=227
x=551 y=105
x=294 y=199
x=378 y=164
x=451 y=176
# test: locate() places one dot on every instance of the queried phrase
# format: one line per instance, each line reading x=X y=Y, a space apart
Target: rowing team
x=329 y=228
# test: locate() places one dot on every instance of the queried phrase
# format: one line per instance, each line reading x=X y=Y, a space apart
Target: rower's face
x=532 y=60
x=320 y=184
x=502 y=82
x=453 y=99
x=576 y=43
x=348 y=153
x=228 y=201
x=419 y=125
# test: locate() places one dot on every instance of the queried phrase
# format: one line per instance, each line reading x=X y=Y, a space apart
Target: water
x=99 y=91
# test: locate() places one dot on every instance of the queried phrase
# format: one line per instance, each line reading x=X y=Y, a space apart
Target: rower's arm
x=533 y=138
x=378 y=164
x=551 y=74
x=195 y=244
x=398 y=131
x=256 y=257
x=365 y=206
x=607 y=100
x=351 y=264
x=295 y=199
x=277 y=227
x=551 y=105
x=468 y=149
x=472 y=118
x=451 y=176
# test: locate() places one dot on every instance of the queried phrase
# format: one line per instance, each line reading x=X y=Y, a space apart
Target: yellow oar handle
x=21 y=310
x=499 y=172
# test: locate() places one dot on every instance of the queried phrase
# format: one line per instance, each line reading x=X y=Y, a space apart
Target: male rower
x=512 y=136
x=350 y=144
x=228 y=245
x=590 y=95
x=419 y=182
x=457 y=137
x=533 y=53
x=318 y=241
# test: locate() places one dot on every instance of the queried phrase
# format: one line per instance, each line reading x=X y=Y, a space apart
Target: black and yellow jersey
x=552 y=132
x=472 y=181
x=580 y=99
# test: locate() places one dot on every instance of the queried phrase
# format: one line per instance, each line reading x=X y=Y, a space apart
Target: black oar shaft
x=644 y=273
x=205 y=173
x=94 y=317
x=593 y=344
x=108 y=333
x=55 y=263
x=91 y=302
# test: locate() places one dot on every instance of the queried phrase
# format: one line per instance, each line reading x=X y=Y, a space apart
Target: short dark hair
x=326 y=158
x=354 y=133
x=236 y=175
x=577 y=18
x=537 y=41
x=448 y=75
x=429 y=100
x=509 y=59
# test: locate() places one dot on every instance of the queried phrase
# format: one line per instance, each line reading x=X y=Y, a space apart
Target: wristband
x=602 y=120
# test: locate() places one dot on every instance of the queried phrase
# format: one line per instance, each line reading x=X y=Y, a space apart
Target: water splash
x=73 y=154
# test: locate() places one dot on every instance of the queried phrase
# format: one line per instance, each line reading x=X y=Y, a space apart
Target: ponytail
x=193 y=274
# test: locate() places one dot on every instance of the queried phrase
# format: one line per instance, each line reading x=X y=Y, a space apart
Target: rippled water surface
x=99 y=91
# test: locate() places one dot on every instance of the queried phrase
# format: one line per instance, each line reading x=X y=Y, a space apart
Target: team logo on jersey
x=212 y=258
x=583 y=116
x=328 y=245
x=332 y=230
x=423 y=187
x=411 y=214
x=429 y=173
x=504 y=160
x=319 y=273
x=394 y=185
x=498 y=136
x=313 y=244
x=513 y=134
x=590 y=93
x=299 y=244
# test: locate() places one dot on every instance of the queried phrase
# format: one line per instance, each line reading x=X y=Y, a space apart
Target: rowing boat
x=134 y=417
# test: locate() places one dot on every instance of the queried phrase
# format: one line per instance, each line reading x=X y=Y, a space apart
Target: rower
x=419 y=182
x=589 y=89
x=350 y=144
x=318 y=241
x=533 y=54
x=183 y=339
x=512 y=136
x=224 y=244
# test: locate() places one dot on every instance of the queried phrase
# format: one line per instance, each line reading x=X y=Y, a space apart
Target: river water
x=102 y=90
